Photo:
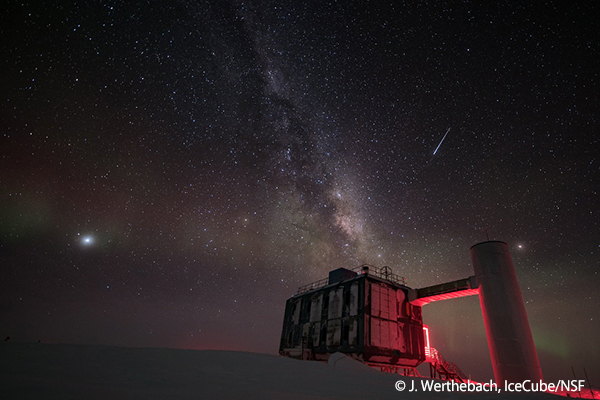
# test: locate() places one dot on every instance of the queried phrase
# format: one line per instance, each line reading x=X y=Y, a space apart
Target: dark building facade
x=364 y=313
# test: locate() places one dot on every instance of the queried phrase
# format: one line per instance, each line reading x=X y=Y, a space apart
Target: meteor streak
x=442 y=141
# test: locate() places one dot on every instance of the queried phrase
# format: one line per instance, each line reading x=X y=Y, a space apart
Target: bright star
x=87 y=240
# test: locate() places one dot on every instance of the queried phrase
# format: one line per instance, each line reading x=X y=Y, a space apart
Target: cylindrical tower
x=512 y=350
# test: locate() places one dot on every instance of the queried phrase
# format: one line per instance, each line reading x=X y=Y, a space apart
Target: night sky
x=172 y=171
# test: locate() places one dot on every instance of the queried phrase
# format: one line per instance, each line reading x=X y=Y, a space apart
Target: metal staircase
x=442 y=369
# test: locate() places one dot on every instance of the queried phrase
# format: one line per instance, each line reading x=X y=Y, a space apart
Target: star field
x=171 y=172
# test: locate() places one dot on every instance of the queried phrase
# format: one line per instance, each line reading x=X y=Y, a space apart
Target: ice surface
x=59 y=371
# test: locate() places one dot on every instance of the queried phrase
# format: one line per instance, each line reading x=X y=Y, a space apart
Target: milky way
x=173 y=171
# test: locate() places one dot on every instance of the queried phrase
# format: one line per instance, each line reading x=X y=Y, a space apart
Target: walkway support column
x=512 y=350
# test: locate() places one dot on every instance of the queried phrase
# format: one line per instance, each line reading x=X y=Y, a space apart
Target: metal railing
x=443 y=367
x=312 y=286
x=384 y=273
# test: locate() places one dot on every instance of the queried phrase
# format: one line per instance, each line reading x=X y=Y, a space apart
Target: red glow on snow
x=585 y=393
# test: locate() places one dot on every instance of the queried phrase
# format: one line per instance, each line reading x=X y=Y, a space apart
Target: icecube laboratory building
x=371 y=315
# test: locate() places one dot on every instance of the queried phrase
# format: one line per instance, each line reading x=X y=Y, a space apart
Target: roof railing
x=384 y=273
x=312 y=286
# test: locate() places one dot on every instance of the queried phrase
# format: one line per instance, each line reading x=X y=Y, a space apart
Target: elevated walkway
x=444 y=291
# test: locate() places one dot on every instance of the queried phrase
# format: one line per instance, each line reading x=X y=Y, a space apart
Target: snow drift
x=60 y=371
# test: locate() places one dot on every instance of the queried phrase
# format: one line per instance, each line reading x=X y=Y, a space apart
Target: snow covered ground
x=59 y=371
